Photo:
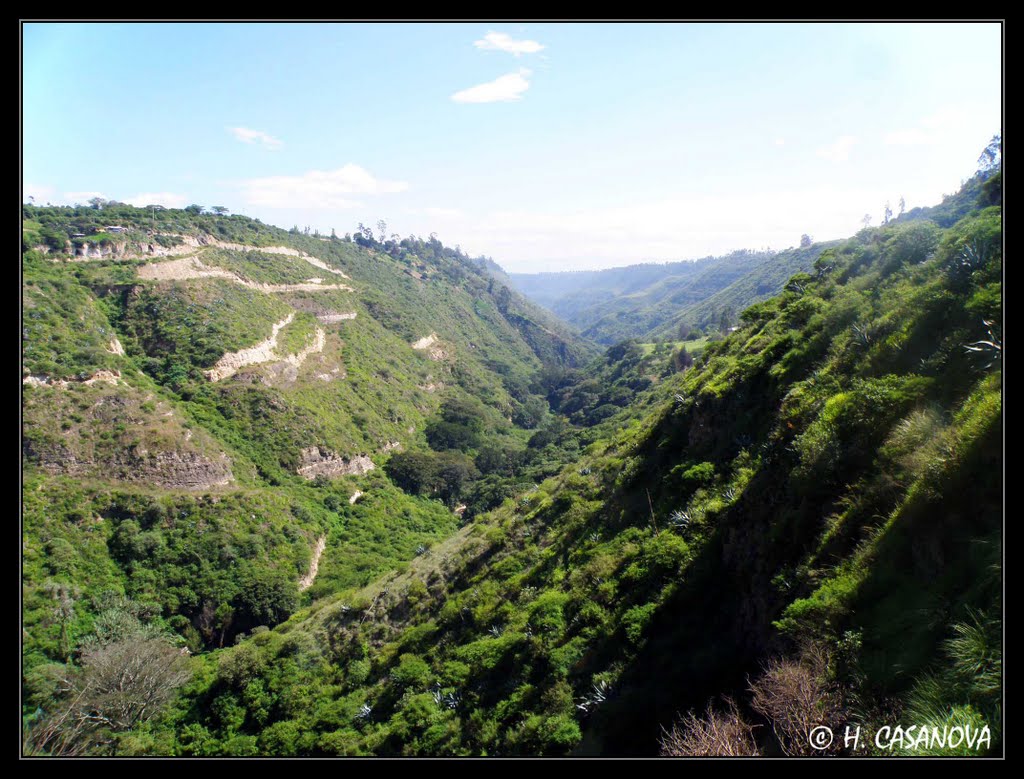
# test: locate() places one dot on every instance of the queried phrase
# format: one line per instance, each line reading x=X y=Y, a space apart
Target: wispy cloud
x=318 y=189
x=247 y=135
x=911 y=137
x=690 y=226
x=499 y=41
x=82 y=197
x=168 y=199
x=503 y=89
x=839 y=150
x=944 y=118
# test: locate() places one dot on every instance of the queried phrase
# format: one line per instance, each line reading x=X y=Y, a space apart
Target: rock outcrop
x=317 y=461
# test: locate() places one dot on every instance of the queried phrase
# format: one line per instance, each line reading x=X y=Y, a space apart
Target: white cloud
x=40 y=193
x=911 y=137
x=167 y=199
x=499 y=41
x=780 y=141
x=247 y=135
x=839 y=150
x=503 y=89
x=318 y=189
x=444 y=213
x=687 y=227
x=82 y=197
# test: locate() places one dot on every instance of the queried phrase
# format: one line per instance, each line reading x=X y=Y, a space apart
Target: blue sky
x=544 y=146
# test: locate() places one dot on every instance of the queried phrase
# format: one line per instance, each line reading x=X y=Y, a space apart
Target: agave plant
x=991 y=348
x=862 y=335
x=680 y=519
x=598 y=695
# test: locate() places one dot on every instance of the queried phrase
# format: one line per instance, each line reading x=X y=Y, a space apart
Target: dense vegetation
x=687 y=546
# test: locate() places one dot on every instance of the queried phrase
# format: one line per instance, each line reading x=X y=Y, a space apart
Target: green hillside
x=683 y=546
x=206 y=398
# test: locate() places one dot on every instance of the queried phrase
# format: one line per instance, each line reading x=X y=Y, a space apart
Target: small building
x=116 y=229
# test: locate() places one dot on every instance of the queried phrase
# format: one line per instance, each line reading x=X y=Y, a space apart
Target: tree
x=866 y=221
x=886 y=213
x=805 y=241
x=502 y=299
x=97 y=203
x=128 y=671
x=63 y=614
x=716 y=734
x=725 y=319
x=992 y=157
x=903 y=206
x=795 y=696
x=682 y=359
x=219 y=210
x=194 y=209
x=127 y=682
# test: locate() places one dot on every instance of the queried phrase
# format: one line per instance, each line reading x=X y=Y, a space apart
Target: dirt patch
x=189 y=244
x=285 y=250
x=314 y=564
x=330 y=319
x=106 y=377
x=193 y=268
x=232 y=362
x=426 y=342
x=317 y=461
x=429 y=344
x=185 y=268
x=354 y=497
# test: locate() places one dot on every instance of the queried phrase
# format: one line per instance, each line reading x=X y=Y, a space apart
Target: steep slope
x=202 y=396
x=808 y=521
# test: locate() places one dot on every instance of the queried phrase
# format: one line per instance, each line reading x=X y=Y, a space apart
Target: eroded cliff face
x=318 y=461
x=119 y=433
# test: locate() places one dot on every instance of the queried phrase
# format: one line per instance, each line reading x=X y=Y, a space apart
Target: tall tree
x=992 y=157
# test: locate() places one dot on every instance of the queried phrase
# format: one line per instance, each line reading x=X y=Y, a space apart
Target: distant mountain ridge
x=652 y=302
